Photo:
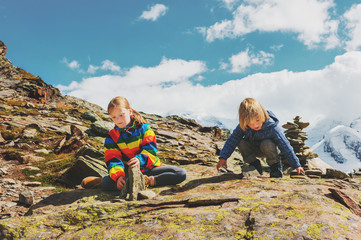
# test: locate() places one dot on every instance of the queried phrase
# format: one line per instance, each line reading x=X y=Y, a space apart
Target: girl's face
x=255 y=124
x=120 y=116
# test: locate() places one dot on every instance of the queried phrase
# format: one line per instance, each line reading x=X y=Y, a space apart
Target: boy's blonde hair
x=122 y=102
x=250 y=109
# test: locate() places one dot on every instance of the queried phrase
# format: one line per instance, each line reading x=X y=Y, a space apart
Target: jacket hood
x=271 y=122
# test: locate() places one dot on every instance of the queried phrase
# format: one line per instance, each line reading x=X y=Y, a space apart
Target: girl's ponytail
x=137 y=117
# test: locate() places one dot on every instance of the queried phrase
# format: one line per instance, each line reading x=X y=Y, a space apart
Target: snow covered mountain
x=340 y=146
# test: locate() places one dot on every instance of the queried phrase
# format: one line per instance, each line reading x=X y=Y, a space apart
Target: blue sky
x=199 y=57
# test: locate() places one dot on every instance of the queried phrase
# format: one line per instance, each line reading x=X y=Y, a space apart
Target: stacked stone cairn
x=297 y=136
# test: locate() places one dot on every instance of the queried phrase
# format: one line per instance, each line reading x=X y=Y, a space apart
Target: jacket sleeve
x=231 y=143
x=148 y=149
x=285 y=147
x=113 y=159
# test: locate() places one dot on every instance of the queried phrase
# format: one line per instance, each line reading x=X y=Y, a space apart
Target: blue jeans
x=164 y=175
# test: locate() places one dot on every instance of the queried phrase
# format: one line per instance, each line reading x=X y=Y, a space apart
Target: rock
x=2 y=140
x=314 y=176
x=32 y=184
x=8 y=181
x=134 y=184
x=90 y=162
x=91 y=116
x=10 y=204
x=314 y=171
x=357 y=172
x=37 y=126
x=101 y=128
x=30 y=158
x=249 y=171
x=3 y=172
x=32 y=168
x=43 y=151
x=168 y=134
x=318 y=164
x=297 y=137
x=26 y=198
x=146 y=194
x=185 y=121
x=334 y=173
x=290 y=125
x=72 y=142
x=29 y=105
x=298 y=176
x=29 y=133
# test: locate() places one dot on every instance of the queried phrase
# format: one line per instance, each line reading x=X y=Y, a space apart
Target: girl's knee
x=181 y=174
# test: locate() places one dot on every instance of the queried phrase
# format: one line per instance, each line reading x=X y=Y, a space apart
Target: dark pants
x=164 y=175
x=266 y=149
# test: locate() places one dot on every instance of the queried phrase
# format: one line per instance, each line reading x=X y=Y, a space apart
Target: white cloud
x=109 y=65
x=309 y=19
x=331 y=92
x=155 y=12
x=229 y=3
x=276 y=48
x=353 y=25
x=243 y=60
x=73 y=64
x=92 y=69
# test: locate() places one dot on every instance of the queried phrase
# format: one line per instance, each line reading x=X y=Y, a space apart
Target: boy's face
x=120 y=116
x=255 y=124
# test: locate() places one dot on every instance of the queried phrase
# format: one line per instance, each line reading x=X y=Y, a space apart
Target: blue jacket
x=269 y=130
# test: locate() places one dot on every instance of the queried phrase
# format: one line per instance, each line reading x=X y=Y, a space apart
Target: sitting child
x=132 y=143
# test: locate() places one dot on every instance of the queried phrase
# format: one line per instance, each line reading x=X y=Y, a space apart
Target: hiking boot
x=91 y=182
x=258 y=166
x=149 y=181
x=146 y=181
x=276 y=170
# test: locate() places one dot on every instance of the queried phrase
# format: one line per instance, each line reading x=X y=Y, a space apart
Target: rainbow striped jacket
x=123 y=144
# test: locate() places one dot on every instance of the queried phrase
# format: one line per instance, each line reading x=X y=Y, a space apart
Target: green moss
x=275 y=223
x=287 y=234
x=29 y=172
x=245 y=234
x=294 y=213
x=344 y=227
x=314 y=230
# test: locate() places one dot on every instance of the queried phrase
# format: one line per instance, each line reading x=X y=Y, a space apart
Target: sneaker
x=91 y=182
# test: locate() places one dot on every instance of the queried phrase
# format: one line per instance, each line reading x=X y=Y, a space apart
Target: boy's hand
x=221 y=162
x=134 y=162
x=300 y=170
x=120 y=183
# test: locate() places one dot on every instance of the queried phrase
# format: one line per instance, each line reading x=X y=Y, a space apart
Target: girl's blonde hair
x=249 y=110
x=122 y=102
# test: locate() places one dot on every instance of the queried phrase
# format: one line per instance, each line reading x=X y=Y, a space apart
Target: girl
x=258 y=135
x=132 y=143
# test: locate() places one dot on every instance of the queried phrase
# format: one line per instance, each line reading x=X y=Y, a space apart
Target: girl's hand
x=134 y=162
x=300 y=170
x=221 y=162
x=120 y=182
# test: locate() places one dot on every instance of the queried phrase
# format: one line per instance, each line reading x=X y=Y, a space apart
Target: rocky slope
x=48 y=142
